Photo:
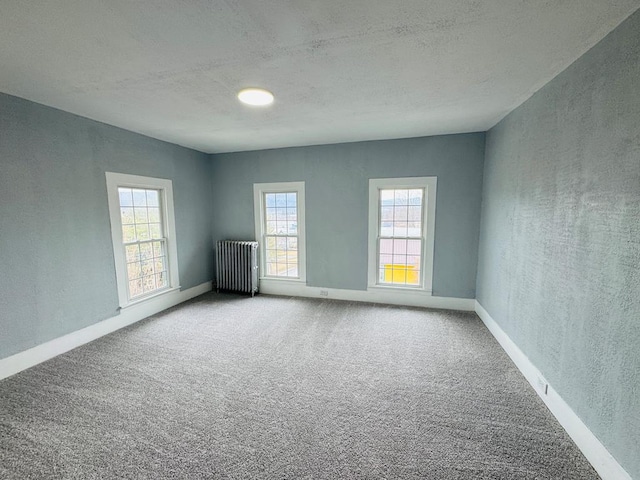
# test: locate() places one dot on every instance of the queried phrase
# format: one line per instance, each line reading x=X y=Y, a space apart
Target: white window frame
x=259 y=190
x=429 y=184
x=116 y=180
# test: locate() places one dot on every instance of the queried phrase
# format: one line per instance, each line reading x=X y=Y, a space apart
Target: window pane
x=400 y=221
x=414 y=261
x=399 y=275
x=126 y=215
x=133 y=270
x=271 y=213
x=415 y=221
x=386 y=213
x=413 y=275
x=282 y=270
x=161 y=280
x=398 y=271
x=142 y=232
x=158 y=249
x=400 y=247
x=400 y=229
x=139 y=198
x=415 y=197
x=281 y=199
x=399 y=260
x=135 y=288
x=401 y=197
x=414 y=229
x=132 y=253
x=153 y=198
x=414 y=247
x=386 y=246
x=272 y=269
x=386 y=197
x=146 y=251
x=159 y=264
x=141 y=215
x=387 y=273
x=126 y=199
x=271 y=227
x=415 y=213
x=128 y=233
x=155 y=231
x=400 y=268
x=281 y=261
x=292 y=199
x=281 y=213
x=149 y=283
x=400 y=214
x=385 y=259
x=270 y=199
x=147 y=267
x=154 y=215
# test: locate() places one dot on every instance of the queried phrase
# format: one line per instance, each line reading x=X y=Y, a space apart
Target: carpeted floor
x=226 y=386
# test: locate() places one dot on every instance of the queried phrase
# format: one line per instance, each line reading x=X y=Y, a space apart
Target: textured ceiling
x=340 y=71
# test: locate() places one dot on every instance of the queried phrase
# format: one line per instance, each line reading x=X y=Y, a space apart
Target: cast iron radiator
x=237 y=266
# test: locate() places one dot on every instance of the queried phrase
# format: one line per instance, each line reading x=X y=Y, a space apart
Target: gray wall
x=336 y=183
x=56 y=256
x=559 y=257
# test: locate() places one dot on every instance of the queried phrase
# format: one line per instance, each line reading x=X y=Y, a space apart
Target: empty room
x=320 y=239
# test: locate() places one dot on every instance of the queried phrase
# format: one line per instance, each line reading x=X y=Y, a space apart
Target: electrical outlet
x=324 y=293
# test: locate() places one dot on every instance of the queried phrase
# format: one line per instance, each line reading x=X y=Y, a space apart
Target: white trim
x=272 y=286
x=284 y=279
x=259 y=189
x=596 y=453
x=429 y=221
x=43 y=352
x=115 y=180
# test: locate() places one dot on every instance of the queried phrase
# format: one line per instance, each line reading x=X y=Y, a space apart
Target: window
x=142 y=229
x=401 y=232
x=279 y=223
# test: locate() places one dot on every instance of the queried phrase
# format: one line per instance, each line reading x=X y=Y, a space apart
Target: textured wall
x=559 y=257
x=56 y=256
x=337 y=181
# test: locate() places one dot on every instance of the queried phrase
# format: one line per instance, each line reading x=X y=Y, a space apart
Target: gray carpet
x=226 y=386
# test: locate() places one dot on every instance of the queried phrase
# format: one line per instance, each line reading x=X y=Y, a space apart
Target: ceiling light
x=255 y=96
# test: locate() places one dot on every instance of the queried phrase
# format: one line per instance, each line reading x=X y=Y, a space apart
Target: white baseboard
x=41 y=353
x=378 y=295
x=596 y=453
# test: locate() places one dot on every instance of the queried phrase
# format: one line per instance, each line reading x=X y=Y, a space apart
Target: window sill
x=283 y=279
x=412 y=291
x=149 y=299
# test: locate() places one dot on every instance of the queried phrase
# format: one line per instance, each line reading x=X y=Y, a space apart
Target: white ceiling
x=340 y=70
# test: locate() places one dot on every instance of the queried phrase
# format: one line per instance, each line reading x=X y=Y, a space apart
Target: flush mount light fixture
x=258 y=97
